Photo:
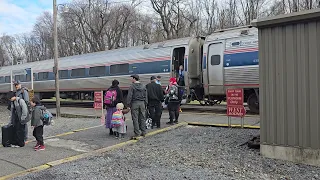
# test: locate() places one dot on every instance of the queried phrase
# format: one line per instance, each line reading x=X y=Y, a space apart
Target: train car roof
x=231 y=33
x=102 y=57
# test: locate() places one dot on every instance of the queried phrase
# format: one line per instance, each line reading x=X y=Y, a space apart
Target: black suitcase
x=18 y=134
x=7 y=135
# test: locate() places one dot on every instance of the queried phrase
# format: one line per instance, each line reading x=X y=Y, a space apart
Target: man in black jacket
x=155 y=97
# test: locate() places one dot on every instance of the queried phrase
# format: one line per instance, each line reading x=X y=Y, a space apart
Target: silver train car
x=81 y=75
x=229 y=59
x=212 y=64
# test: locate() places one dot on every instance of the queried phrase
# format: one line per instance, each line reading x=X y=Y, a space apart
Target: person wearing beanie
x=118 y=120
x=173 y=101
x=155 y=98
x=137 y=101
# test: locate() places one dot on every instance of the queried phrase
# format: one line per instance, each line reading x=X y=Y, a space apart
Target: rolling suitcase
x=7 y=135
x=18 y=135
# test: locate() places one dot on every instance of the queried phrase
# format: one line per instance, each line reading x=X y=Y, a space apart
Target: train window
x=63 y=74
x=7 y=79
x=1 y=79
x=19 y=77
x=215 y=60
x=235 y=44
x=43 y=75
x=28 y=77
x=97 y=71
x=81 y=72
x=119 y=69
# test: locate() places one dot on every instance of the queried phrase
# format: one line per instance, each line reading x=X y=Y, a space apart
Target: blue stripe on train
x=241 y=59
x=237 y=59
x=136 y=68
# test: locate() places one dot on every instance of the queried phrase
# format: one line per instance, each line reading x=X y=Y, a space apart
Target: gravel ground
x=184 y=153
x=60 y=126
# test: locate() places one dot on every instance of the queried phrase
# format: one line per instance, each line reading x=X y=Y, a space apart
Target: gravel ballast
x=184 y=153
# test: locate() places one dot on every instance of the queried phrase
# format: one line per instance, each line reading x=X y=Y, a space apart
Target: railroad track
x=52 y=104
x=220 y=109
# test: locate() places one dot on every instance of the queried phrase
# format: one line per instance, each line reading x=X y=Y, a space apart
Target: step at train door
x=215 y=68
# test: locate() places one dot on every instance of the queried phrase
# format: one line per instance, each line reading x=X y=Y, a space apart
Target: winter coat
x=36 y=116
x=23 y=94
x=137 y=92
x=155 y=92
x=19 y=111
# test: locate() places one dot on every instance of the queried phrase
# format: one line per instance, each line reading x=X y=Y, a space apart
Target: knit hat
x=120 y=106
x=173 y=80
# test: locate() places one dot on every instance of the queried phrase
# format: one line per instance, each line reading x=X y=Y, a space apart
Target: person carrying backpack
x=22 y=93
x=173 y=101
x=37 y=123
x=112 y=97
x=19 y=118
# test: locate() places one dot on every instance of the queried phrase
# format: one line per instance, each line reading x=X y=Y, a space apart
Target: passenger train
x=225 y=59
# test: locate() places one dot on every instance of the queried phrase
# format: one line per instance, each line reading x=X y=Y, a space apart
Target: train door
x=215 y=68
x=177 y=61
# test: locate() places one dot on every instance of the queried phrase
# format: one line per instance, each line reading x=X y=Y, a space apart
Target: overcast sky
x=19 y=16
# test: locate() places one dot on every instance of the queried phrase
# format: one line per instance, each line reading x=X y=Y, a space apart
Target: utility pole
x=56 y=63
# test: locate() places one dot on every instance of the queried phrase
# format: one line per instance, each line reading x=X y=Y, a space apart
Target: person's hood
x=138 y=86
x=17 y=98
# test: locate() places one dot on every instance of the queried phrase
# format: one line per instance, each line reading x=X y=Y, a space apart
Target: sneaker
x=36 y=146
x=170 y=123
x=175 y=122
x=116 y=134
x=41 y=148
x=143 y=134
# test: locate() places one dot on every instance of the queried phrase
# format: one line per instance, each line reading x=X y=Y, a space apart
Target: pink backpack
x=110 y=97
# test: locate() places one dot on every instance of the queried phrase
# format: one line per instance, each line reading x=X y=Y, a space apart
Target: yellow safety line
x=84 y=155
x=223 y=125
x=218 y=114
x=63 y=134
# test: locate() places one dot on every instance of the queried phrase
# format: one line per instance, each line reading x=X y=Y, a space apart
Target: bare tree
x=98 y=25
x=3 y=56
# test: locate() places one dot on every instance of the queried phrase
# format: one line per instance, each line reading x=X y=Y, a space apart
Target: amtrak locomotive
x=225 y=59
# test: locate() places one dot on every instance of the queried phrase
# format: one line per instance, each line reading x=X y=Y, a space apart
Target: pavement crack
x=14 y=164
